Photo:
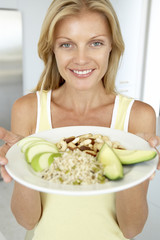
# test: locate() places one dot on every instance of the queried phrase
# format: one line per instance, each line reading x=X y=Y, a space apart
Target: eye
x=97 y=44
x=66 y=45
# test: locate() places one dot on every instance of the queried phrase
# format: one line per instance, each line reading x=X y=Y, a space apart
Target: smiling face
x=82 y=46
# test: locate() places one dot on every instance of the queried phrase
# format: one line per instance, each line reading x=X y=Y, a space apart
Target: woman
x=81 y=45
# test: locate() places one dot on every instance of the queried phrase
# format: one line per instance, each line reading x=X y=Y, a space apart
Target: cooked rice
x=75 y=168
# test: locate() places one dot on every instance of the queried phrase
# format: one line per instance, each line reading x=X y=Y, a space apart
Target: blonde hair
x=50 y=78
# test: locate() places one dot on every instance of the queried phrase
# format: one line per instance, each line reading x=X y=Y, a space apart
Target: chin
x=84 y=88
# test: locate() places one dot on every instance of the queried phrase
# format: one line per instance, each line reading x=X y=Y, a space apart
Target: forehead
x=90 y=23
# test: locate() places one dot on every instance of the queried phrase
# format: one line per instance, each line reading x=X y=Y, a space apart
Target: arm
x=131 y=204
x=25 y=202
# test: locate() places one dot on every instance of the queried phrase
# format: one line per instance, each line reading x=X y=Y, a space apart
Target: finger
x=158 y=166
x=154 y=141
x=8 y=137
x=150 y=138
x=5 y=175
x=3 y=150
x=145 y=136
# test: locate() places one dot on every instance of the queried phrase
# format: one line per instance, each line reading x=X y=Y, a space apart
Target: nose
x=81 y=56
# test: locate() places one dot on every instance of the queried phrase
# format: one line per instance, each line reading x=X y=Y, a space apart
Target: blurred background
x=10 y=62
x=20 y=69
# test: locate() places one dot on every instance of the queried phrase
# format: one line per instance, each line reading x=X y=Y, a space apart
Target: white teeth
x=82 y=72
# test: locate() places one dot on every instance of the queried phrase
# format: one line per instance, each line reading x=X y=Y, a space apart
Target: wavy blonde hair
x=58 y=10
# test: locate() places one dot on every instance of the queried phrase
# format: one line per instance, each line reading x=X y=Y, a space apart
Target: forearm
x=132 y=209
x=26 y=206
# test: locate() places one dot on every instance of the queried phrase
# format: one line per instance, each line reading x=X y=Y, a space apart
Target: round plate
x=21 y=171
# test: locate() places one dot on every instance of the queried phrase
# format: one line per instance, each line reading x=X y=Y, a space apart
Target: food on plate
x=89 y=143
x=38 y=152
x=75 y=168
x=113 y=169
x=28 y=140
x=85 y=159
x=92 y=143
x=43 y=160
x=128 y=157
x=39 y=147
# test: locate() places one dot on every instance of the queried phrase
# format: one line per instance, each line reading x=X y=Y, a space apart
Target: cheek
x=103 y=60
x=62 y=61
x=62 y=65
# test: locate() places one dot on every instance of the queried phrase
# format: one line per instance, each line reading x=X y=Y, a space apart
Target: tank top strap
x=43 y=111
x=121 y=112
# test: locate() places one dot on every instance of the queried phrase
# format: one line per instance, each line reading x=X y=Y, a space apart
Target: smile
x=82 y=72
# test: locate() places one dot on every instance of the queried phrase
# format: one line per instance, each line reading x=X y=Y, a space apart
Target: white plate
x=21 y=171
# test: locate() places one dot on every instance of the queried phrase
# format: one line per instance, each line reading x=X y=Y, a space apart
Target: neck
x=81 y=102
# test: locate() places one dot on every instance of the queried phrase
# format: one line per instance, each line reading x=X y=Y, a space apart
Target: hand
x=154 y=142
x=10 y=139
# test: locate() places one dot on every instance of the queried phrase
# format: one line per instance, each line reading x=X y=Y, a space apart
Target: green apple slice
x=113 y=169
x=39 y=147
x=43 y=160
x=30 y=143
x=28 y=139
x=134 y=156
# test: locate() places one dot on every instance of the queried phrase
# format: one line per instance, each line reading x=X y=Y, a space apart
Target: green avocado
x=113 y=169
x=134 y=156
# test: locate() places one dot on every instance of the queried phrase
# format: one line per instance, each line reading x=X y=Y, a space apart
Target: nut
x=99 y=140
x=62 y=145
x=76 y=140
x=83 y=148
x=95 y=136
x=97 y=146
x=70 y=139
x=71 y=146
x=91 y=152
x=85 y=142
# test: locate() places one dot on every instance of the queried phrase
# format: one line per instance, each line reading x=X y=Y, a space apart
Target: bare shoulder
x=142 y=118
x=24 y=112
x=25 y=102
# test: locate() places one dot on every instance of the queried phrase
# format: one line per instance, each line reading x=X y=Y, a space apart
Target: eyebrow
x=63 y=37
x=97 y=36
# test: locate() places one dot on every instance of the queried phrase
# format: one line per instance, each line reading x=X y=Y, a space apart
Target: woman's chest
x=61 y=117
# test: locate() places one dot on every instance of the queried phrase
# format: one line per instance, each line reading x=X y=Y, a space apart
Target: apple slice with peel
x=29 y=139
x=113 y=169
x=39 y=147
x=43 y=160
x=30 y=143
x=134 y=156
